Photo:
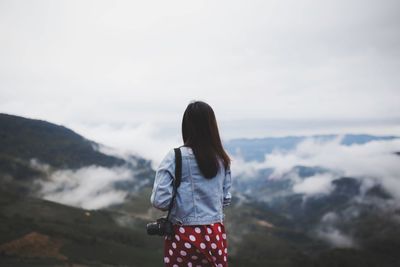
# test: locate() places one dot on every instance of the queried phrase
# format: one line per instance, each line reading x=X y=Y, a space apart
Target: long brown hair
x=200 y=132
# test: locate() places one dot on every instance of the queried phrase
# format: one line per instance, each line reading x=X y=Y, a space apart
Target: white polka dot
x=202 y=245
x=182 y=230
x=204 y=261
x=194 y=257
x=209 y=230
x=214 y=258
x=224 y=236
x=219 y=228
x=187 y=245
x=219 y=252
x=170 y=252
x=197 y=230
x=207 y=238
x=183 y=253
x=175 y=265
x=191 y=237
x=190 y=264
x=177 y=237
x=226 y=250
x=213 y=245
x=224 y=258
x=166 y=260
x=179 y=259
x=173 y=244
x=217 y=237
x=220 y=265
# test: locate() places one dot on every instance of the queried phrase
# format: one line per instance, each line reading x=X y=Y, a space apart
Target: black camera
x=160 y=227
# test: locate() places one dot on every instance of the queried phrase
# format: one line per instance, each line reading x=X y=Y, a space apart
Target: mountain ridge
x=261 y=232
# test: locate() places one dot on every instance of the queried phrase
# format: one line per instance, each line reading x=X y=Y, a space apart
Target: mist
x=90 y=187
x=372 y=163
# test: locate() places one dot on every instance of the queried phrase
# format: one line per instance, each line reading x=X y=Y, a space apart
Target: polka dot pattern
x=196 y=246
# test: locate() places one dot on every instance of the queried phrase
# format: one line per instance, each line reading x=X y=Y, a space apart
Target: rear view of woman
x=199 y=237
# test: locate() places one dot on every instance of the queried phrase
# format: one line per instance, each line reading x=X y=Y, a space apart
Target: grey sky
x=299 y=64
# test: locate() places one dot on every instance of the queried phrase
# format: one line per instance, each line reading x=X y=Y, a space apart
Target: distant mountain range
x=268 y=224
x=254 y=149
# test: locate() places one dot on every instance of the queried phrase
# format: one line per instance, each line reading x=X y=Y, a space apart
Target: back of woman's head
x=200 y=132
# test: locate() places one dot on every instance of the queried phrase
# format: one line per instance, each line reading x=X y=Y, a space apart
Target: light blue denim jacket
x=198 y=200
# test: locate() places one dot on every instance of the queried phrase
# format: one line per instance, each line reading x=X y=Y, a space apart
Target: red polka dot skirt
x=197 y=246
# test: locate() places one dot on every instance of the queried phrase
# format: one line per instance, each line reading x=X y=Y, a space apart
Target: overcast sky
x=113 y=69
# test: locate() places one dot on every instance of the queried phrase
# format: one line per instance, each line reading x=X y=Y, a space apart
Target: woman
x=199 y=234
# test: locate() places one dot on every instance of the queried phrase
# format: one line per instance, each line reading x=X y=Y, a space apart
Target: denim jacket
x=198 y=200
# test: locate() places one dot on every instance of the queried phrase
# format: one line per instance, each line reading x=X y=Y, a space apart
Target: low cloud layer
x=373 y=163
x=147 y=140
x=329 y=232
x=89 y=187
x=336 y=238
x=317 y=184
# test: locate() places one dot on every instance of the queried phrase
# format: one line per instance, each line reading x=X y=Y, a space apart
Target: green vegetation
x=88 y=237
x=22 y=138
x=257 y=234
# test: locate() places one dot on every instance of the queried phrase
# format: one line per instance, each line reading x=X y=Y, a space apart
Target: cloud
x=245 y=169
x=336 y=238
x=328 y=231
x=315 y=185
x=88 y=187
x=373 y=163
x=147 y=140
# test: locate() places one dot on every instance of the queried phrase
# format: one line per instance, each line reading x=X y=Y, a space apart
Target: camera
x=160 y=227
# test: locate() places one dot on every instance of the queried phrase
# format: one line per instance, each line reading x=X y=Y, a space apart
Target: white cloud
x=315 y=185
x=336 y=238
x=144 y=140
x=88 y=187
x=373 y=161
x=327 y=230
x=245 y=169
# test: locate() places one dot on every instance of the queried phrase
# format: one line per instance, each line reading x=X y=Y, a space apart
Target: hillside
x=31 y=150
x=53 y=144
x=64 y=235
x=268 y=224
x=36 y=232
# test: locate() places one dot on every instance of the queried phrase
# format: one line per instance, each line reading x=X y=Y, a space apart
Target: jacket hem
x=198 y=221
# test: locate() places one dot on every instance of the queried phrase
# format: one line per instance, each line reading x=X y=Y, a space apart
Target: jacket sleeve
x=227 y=187
x=162 y=188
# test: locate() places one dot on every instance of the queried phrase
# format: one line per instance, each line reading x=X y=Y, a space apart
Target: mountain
x=268 y=223
x=35 y=232
x=353 y=215
x=31 y=150
x=53 y=144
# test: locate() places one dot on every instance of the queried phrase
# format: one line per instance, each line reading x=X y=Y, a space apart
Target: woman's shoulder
x=186 y=151
x=170 y=155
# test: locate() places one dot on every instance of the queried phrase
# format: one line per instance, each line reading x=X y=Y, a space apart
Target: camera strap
x=177 y=180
